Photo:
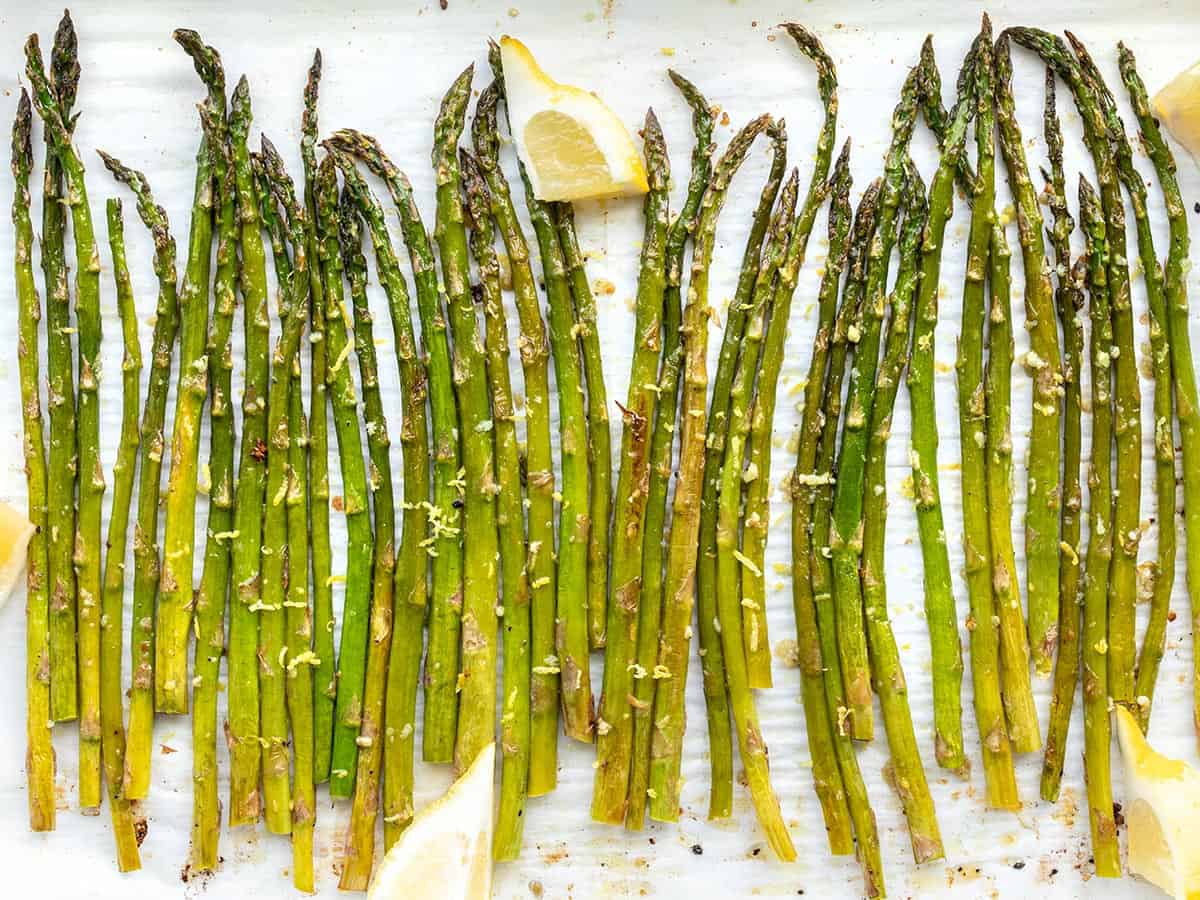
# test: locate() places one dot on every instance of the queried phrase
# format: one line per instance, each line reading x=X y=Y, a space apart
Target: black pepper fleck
x=697 y=849
x=1019 y=864
x=1197 y=207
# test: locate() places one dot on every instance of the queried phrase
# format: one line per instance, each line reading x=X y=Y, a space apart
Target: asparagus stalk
x=1163 y=571
x=679 y=581
x=907 y=769
x=1187 y=408
x=751 y=745
x=214 y=581
x=60 y=374
x=1127 y=415
x=1069 y=301
x=571 y=633
x=1044 y=361
x=91 y=492
x=40 y=750
x=410 y=591
x=300 y=656
x=940 y=613
x=360 y=849
x=243 y=682
x=757 y=513
x=444 y=544
x=614 y=735
x=477 y=696
x=539 y=463
x=510 y=517
x=836 y=776
x=325 y=668
x=175 y=604
x=712 y=654
x=599 y=437
x=1096 y=727
x=660 y=455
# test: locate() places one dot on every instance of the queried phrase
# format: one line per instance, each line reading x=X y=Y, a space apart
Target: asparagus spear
x=40 y=751
x=1187 y=408
x=410 y=592
x=175 y=582
x=1096 y=727
x=1044 y=362
x=318 y=451
x=1127 y=415
x=712 y=654
x=477 y=696
x=444 y=544
x=757 y=513
x=91 y=492
x=751 y=745
x=214 y=582
x=300 y=656
x=243 y=688
x=360 y=848
x=614 y=736
x=599 y=437
x=837 y=779
x=571 y=639
x=510 y=517
x=60 y=374
x=539 y=463
x=940 y=613
x=679 y=582
x=659 y=459
x=847 y=534
x=1069 y=300
x=1163 y=571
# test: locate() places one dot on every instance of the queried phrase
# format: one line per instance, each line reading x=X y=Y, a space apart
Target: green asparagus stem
x=571 y=637
x=539 y=463
x=91 y=491
x=1069 y=300
x=660 y=453
x=757 y=513
x=477 y=696
x=841 y=793
x=300 y=660
x=712 y=654
x=1127 y=415
x=245 y=752
x=1096 y=727
x=940 y=613
x=175 y=602
x=599 y=436
x=214 y=582
x=730 y=561
x=360 y=848
x=1044 y=361
x=679 y=583
x=444 y=544
x=614 y=736
x=907 y=770
x=510 y=517
x=1187 y=409
x=410 y=590
x=40 y=750
x=318 y=451
x=60 y=375
x=1015 y=689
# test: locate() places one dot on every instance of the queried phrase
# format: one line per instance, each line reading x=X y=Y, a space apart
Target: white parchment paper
x=386 y=67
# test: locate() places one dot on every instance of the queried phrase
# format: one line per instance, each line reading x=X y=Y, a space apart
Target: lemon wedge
x=573 y=146
x=1162 y=810
x=446 y=853
x=1178 y=105
x=15 y=532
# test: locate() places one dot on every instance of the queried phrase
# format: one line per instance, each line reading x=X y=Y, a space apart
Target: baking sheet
x=385 y=69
